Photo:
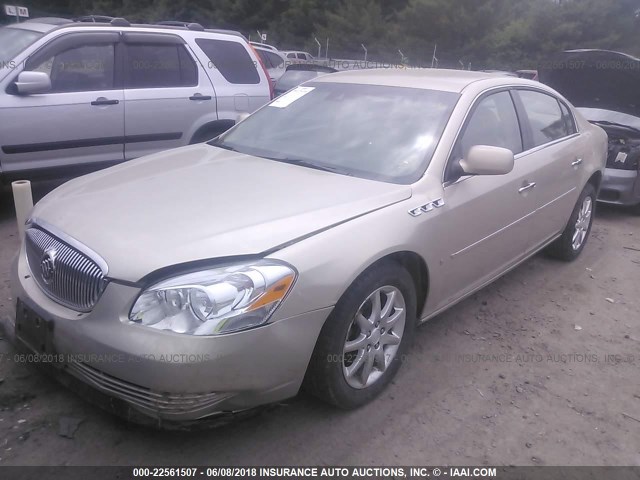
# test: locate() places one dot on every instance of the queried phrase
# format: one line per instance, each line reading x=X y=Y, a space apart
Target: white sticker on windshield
x=621 y=157
x=290 y=97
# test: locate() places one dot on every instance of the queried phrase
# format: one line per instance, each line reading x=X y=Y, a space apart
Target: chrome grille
x=71 y=278
x=165 y=404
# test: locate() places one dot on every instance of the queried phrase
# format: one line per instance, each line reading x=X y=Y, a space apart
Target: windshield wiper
x=222 y=145
x=307 y=163
x=614 y=124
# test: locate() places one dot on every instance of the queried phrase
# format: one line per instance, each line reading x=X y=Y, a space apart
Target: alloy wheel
x=374 y=337
x=582 y=223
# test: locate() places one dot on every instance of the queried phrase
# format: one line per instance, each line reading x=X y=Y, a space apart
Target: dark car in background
x=605 y=86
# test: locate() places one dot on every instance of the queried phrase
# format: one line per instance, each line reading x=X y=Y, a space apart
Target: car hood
x=597 y=79
x=202 y=202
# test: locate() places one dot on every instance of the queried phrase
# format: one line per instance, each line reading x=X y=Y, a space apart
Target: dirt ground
x=540 y=368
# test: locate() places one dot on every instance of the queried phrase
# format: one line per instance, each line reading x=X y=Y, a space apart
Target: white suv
x=83 y=96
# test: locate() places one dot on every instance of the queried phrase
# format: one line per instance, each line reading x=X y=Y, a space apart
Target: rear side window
x=81 y=69
x=545 y=117
x=231 y=59
x=302 y=56
x=493 y=122
x=291 y=55
x=159 y=66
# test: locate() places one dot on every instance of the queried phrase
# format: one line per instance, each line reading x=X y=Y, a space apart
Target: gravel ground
x=540 y=368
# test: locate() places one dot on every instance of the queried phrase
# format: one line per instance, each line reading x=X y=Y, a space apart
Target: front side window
x=545 y=117
x=370 y=131
x=231 y=59
x=493 y=122
x=80 y=69
x=159 y=66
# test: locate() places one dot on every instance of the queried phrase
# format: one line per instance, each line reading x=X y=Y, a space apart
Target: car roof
x=426 y=78
x=45 y=25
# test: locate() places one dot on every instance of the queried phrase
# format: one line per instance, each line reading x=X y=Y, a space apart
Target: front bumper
x=620 y=187
x=164 y=375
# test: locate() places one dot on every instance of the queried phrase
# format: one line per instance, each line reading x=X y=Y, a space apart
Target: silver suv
x=84 y=96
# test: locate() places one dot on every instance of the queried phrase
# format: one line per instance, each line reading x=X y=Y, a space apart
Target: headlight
x=216 y=301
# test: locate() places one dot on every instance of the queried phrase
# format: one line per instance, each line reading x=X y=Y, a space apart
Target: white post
x=23 y=200
x=319 y=47
x=365 y=52
x=326 y=50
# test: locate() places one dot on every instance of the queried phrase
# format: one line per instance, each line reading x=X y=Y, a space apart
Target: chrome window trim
x=508 y=88
x=72 y=242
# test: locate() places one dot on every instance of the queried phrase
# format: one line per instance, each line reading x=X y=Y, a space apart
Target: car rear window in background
x=546 y=119
x=271 y=60
x=371 y=131
x=493 y=122
x=231 y=59
x=82 y=69
x=158 y=66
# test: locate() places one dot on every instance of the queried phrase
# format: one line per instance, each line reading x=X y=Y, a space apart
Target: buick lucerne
x=302 y=247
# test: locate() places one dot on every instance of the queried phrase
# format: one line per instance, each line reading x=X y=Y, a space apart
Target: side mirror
x=486 y=160
x=33 y=82
x=242 y=116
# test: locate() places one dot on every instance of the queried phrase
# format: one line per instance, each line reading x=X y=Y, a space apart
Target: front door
x=485 y=220
x=79 y=122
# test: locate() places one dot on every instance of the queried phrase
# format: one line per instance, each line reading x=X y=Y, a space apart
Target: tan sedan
x=303 y=246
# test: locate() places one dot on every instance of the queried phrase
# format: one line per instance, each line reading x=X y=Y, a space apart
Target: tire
x=564 y=248
x=326 y=376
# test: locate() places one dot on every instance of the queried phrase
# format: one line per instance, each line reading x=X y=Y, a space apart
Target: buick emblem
x=48 y=265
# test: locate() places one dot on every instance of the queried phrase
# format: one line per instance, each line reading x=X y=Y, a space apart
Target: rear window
x=231 y=59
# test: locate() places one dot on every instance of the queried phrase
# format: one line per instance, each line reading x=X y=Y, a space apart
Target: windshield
x=13 y=41
x=370 y=131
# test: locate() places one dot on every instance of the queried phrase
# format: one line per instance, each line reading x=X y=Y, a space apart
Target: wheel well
x=417 y=268
x=595 y=180
x=211 y=128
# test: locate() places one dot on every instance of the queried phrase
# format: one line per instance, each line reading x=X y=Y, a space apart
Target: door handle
x=104 y=101
x=577 y=162
x=526 y=187
x=199 y=96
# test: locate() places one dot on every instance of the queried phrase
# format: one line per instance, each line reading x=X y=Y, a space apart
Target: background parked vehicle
x=265 y=46
x=604 y=86
x=299 y=73
x=528 y=74
x=73 y=108
x=274 y=61
x=298 y=57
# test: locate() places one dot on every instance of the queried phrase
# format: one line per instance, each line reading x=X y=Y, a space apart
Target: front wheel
x=575 y=235
x=364 y=340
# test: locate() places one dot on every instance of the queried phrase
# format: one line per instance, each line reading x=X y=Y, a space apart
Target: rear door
x=79 y=123
x=555 y=149
x=485 y=220
x=167 y=93
x=240 y=82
